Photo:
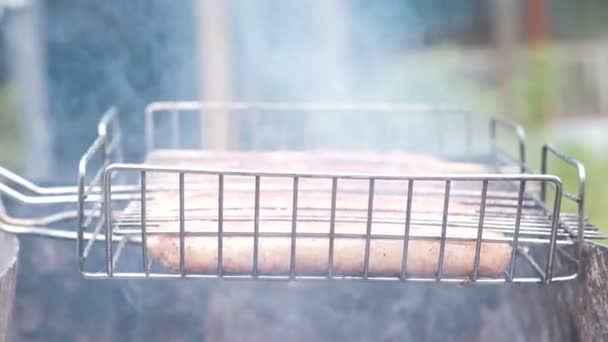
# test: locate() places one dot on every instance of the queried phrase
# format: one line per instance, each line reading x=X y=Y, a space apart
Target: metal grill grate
x=237 y=215
x=464 y=210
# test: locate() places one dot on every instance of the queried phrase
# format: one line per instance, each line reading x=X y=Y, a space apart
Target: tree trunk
x=213 y=41
x=505 y=40
x=25 y=49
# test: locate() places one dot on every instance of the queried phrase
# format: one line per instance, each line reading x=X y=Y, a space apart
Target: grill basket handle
x=24 y=192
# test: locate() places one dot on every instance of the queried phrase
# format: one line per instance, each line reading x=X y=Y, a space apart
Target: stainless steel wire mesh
x=204 y=200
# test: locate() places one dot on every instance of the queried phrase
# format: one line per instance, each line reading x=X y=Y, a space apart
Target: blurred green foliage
x=580 y=19
x=437 y=77
x=535 y=85
x=444 y=76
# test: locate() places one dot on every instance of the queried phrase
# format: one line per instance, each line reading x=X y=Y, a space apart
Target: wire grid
x=504 y=202
x=492 y=206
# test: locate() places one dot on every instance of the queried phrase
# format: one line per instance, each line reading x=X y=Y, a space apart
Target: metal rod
x=107 y=185
x=522 y=148
x=108 y=117
x=482 y=213
x=40 y=190
x=530 y=260
x=406 y=233
x=131 y=275
x=121 y=245
x=567 y=255
x=203 y=189
x=294 y=223
x=574 y=198
x=281 y=106
x=94 y=181
x=13 y=229
x=543 y=170
x=519 y=133
x=220 y=225
x=536 y=229
x=554 y=227
x=522 y=187
x=149 y=128
x=563 y=242
x=82 y=172
x=44 y=231
x=493 y=142
x=55 y=199
x=332 y=225
x=105 y=152
x=149 y=266
x=581 y=215
x=345 y=176
x=535 y=221
x=94 y=236
x=256 y=225
x=444 y=228
x=81 y=226
x=144 y=241
x=182 y=227
x=368 y=233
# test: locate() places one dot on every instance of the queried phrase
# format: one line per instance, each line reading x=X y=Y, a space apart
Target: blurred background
x=63 y=63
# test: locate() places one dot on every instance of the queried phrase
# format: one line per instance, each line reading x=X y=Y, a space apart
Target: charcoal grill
x=472 y=183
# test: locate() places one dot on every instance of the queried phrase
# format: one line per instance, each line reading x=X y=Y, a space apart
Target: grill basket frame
x=104 y=187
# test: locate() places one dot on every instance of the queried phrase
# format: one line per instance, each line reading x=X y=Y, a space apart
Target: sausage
x=313 y=215
x=312 y=255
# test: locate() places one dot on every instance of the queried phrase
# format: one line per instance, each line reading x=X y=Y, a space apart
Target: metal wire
x=482 y=213
x=294 y=226
x=144 y=234
x=444 y=227
x=406 y=233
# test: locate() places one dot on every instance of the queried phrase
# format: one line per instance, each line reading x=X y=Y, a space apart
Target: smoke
x=318 y=50
x=339 y=50
x=113 y=53
x=130 y=53
x=349 y=52
x=292 y=51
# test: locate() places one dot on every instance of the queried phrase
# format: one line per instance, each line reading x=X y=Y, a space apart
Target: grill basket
x=316 y=211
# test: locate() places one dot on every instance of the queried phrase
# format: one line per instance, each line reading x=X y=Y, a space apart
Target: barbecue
x=471 y=215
